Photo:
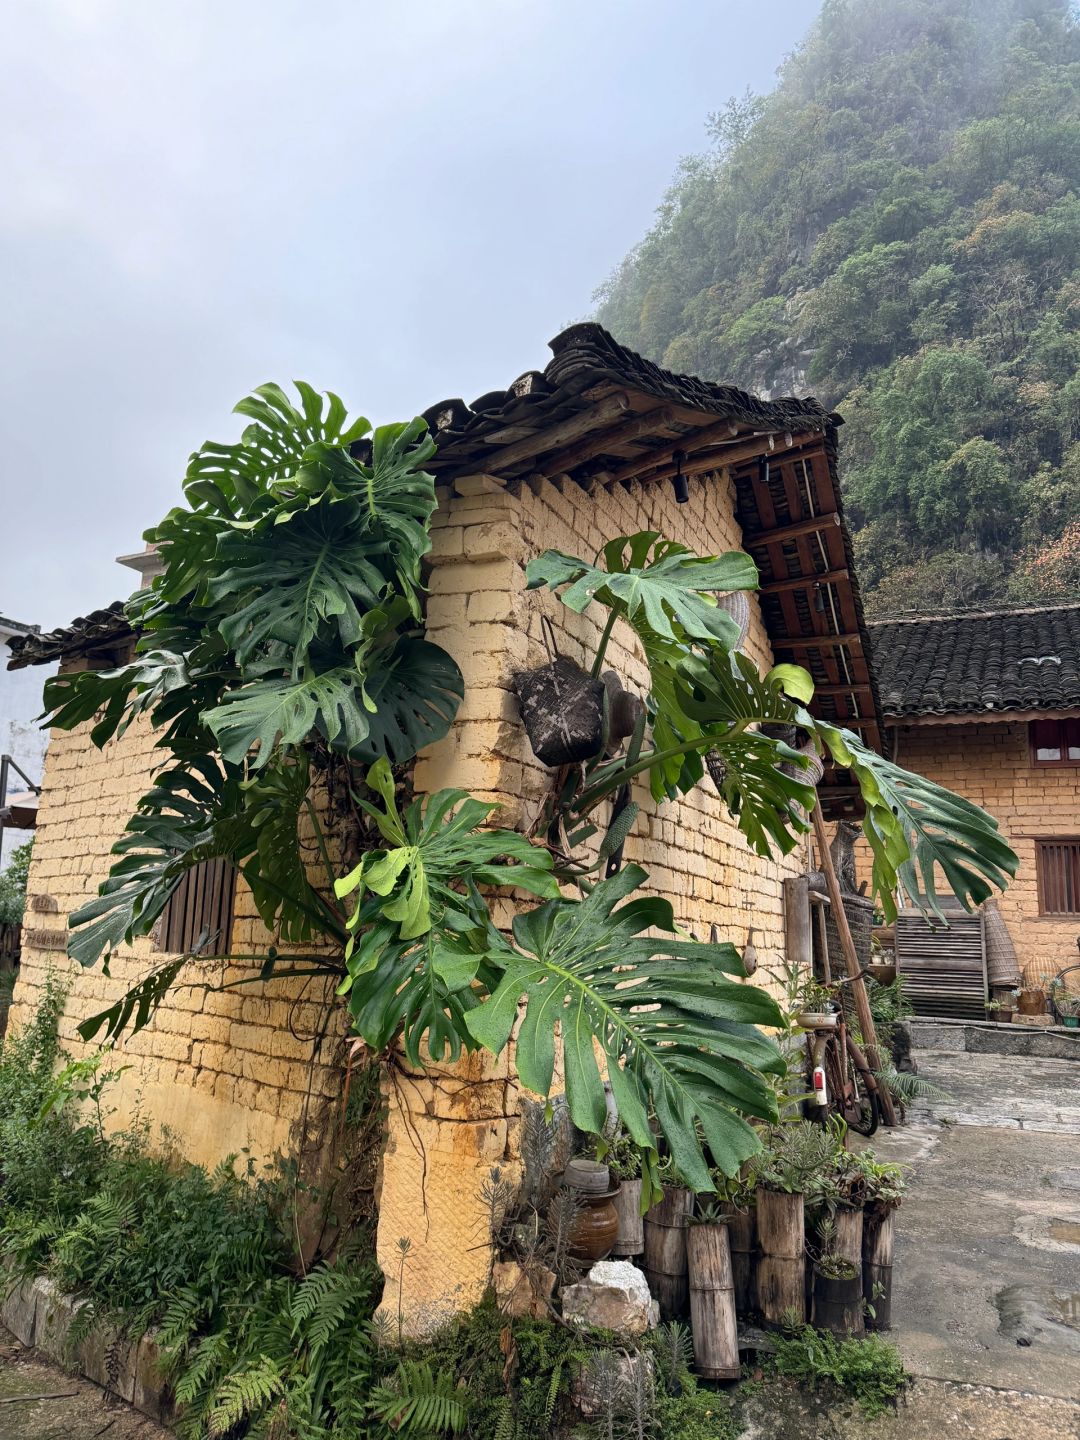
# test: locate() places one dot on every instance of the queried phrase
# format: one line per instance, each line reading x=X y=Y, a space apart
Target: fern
x=906 y=1087
x=416 y=1400
x=244 y=1394
x=554 y=1386
x=506 y=1426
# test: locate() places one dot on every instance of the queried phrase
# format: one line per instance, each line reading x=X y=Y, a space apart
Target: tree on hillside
x=897 y=227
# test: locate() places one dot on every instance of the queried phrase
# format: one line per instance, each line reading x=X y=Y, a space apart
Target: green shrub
x=13 y=879
x=869 y=1370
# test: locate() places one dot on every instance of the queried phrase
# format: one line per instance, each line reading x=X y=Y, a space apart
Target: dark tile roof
x=971 y=663
x=17 y=626
x=96 y=631
x=586 y=359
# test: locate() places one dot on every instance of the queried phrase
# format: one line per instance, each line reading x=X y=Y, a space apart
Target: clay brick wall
x=221 y=1071
x=990 y=764
x=446 y=1134
x=235 y=1070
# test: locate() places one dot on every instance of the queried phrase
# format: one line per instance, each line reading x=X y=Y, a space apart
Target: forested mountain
x=896 y=229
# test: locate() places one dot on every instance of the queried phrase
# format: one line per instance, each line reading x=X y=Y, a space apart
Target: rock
x=614 y=1296
x=610 y=1383
x=522 y=1293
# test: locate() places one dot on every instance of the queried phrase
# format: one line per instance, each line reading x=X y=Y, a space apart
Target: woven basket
x=1002 y=966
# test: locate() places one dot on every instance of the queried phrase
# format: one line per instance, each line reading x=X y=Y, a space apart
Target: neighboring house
x=21 y=737
x=601 y=444
x=987 y=703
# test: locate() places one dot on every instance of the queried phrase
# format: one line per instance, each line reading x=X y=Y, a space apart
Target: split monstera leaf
x=282 y=661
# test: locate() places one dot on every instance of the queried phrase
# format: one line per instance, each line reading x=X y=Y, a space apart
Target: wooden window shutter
x=1058 y=866
x=199 y=913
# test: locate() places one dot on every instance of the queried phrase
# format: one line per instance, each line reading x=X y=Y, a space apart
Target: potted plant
x=1001 y=1008
x=883 y=1190
x=1066 y=1002
x=838 y=1292
x=712 y=1293
x=736 y=1196
x=816 y=1008
x=623 y=1159
x=1031 y=1000
x=665 y=1229
x=793 y=1155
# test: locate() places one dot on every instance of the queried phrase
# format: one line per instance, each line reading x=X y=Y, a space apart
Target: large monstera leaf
x=914 y=825
x=435 y=855
x=680 y=1039
x=657 y=586
x=286 y=583
x=232 y=480
x=414 y=691
x=419 y=927
x=172 y=830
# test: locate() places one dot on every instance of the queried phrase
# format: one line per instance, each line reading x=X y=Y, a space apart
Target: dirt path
x=80 y=1411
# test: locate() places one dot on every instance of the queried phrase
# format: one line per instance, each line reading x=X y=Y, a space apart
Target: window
x=1054 y=742
x=1058 y=866
x=199 y=913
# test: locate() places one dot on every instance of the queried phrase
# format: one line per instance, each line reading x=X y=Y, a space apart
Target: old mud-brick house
x=600 y=444
x=987 y=703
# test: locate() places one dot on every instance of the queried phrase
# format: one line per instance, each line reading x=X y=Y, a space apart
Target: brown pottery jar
x=596 y=1227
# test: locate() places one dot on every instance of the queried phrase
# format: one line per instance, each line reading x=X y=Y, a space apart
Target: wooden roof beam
x=610 y=439
x=803 y=582
x=810 y=526
x=813 y=642
x=609 y=408
x=714 y=446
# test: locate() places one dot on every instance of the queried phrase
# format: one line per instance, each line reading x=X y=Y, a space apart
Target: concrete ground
x=987 y=1267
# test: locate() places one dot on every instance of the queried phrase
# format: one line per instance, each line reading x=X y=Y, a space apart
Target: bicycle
x=841 y=1081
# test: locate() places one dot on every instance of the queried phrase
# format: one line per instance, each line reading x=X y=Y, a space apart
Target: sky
x=402 y=202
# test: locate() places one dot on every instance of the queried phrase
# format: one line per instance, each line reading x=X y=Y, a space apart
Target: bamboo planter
x=848 y=1220
x=742 y=1243
x=878 y=1232
x=838 y=1304
x=627 y=1202
x=665 y=1230
x=712 y=1302
x=781 y=1271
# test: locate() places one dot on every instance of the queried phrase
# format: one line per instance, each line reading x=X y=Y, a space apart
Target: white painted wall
x=20 y=736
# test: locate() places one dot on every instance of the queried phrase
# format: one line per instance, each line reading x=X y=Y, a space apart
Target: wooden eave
x=782 y=462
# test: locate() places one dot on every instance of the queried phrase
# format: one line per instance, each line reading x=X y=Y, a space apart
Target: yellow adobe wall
x=444 y=1137
x=223 y=1071
x=228 y=1071
x=989 y=763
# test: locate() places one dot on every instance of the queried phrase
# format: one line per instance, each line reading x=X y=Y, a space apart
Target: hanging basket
x=562 y=709
x=737 y=605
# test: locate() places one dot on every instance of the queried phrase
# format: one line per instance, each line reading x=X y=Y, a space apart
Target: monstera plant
x=283 y=664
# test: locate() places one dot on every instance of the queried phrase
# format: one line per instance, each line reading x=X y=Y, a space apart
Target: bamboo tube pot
x=665 y=1252
x=781 y=1272
x=838 y=1304
x=627 y=1202
x=849 y=1234
x=742 y=1240
x=712 y=1302
x=878 y=1231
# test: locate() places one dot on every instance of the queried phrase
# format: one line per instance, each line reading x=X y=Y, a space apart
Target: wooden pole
x=851 y=960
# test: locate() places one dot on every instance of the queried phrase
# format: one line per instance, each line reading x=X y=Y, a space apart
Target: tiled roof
x=16 y=627
x=586 y=361
x=95 y=631
x=969 y=663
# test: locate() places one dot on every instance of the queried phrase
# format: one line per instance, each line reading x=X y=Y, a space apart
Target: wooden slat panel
x=944 y=967
x=202 y=904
